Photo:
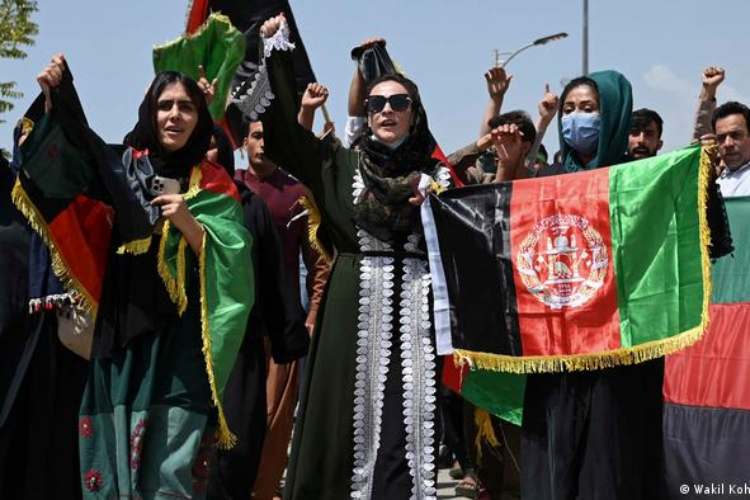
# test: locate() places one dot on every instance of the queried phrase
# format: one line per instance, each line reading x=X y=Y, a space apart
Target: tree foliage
x=17 y=30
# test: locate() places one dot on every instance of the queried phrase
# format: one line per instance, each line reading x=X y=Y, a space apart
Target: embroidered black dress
x=367 y=421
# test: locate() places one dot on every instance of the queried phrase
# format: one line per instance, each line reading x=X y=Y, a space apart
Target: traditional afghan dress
x=169 y=323
x=367 y=423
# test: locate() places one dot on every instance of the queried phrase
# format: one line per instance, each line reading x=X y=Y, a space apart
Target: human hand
x=419 y=195
x=208 y=88
x=370 y=42
x=50 y=78
x=498 y=82
x=711 y=79
x=548 y=105
x=507 y=139
x=272 y=25
x=314 y=97
x=174 y=208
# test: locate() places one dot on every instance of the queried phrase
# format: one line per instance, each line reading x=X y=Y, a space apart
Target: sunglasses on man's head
x=398 y=102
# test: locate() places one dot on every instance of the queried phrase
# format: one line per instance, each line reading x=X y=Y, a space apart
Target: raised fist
x=712 y=78
x=50 y=77
x=315 y=96
x=369 y=42
x=272 y=25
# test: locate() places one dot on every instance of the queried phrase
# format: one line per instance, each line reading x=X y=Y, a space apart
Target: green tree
x=17 y=31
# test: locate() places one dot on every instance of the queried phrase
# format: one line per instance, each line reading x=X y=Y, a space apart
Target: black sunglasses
x=398 y=102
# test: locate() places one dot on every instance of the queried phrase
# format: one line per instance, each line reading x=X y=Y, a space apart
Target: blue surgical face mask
x=581 y=131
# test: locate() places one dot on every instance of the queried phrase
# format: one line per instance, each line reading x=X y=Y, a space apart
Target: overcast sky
x=445 y=46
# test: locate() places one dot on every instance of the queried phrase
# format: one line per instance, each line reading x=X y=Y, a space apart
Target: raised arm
x=712 y=77
x=547 y=111
x=314 y=97
x=287 y=143
x=50 y=78
x=464 y=160
x=357 y=89
x=498 y=82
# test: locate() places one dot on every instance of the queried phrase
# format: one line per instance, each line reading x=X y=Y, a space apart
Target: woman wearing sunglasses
x=367 y=425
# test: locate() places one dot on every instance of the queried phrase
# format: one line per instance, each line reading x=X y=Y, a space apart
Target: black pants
x=594 y=435
x=232 y=472
x=452 y=415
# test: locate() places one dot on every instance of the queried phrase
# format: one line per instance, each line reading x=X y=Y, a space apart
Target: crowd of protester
x=72 y=425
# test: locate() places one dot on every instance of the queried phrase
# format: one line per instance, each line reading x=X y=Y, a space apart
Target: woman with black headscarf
x=171 y=316
x=367 y=422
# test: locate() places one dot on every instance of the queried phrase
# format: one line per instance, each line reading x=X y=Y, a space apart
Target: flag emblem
x=563 y=261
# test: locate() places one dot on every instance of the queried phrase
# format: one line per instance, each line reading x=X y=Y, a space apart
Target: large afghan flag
x=707 y=386
x=575 y=272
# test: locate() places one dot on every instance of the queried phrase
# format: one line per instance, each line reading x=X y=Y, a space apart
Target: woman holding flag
x=170 y=317
x=593 y=434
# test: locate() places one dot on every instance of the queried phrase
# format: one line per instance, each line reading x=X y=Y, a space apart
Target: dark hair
x=246 y=122
x=519 y=118
x=728 y=109
x=411 y=87
x=641 y=118
x=577 y=82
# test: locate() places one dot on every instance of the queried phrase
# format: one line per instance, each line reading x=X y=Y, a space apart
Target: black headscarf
x=134 y=299
x=145 y=135
x=383 y=207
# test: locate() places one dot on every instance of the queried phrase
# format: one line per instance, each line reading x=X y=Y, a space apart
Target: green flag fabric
x=217 y=46
x=226 y=278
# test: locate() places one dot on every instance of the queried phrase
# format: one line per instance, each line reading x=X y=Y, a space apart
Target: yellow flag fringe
x=485 y=431
x=626 y=355
x=226 y=439
x=175 y=285
x=135 y=247
x=314 y=220
x=61 y=269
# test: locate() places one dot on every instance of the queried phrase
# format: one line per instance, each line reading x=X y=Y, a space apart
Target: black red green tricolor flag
x=707 y=386
x=70 y=186
x=575 y=272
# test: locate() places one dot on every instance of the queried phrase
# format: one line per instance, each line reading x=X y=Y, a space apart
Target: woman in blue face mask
x=593 y=123
x=593 y=434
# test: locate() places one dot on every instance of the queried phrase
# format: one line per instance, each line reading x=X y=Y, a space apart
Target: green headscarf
x=615 y=109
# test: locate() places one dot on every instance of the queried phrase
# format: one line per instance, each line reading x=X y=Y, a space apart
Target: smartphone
x=165 y=185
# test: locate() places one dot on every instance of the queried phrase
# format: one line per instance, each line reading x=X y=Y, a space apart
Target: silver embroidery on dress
x=418 y=374
x=253 y=97
x=374 y=334
x=418 y=364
